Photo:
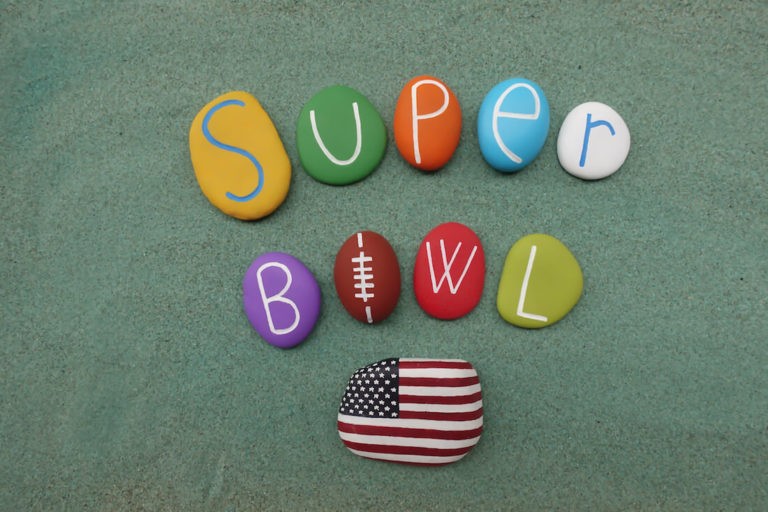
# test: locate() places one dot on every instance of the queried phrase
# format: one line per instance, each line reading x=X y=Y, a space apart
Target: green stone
x=340 y=136
x=540 y=283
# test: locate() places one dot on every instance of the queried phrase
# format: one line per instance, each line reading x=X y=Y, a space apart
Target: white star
x=376 y=407
x=386 y=408
x=386 y=382
x=394 y=415
x=376 y=395
x=370 y=413
x=381 y=414
x=386 y=396
x=381 y=389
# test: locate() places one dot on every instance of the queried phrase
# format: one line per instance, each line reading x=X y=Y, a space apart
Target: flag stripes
x=434 y=416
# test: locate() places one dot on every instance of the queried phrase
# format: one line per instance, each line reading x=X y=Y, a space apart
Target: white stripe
x=447 y=444
x=360 y=240
x=423 y=359
x=438 y=391
x=442 y=407
x=445 y=373
x=368 y=315
x=401 y=423
x=424 y=459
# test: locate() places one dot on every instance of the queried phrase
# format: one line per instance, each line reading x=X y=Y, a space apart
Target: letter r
x=587 y=130
x=278 y=297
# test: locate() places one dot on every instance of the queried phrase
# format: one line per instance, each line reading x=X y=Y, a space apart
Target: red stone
x=427 y=130
x=449 y=272
x=367 y=277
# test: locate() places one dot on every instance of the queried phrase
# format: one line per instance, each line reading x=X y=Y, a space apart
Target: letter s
x=226 y=147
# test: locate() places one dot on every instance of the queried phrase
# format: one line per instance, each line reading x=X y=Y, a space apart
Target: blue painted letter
x=227 y=147
x=588 y=129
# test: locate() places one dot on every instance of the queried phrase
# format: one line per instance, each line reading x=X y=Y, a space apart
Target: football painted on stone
x=367 y=277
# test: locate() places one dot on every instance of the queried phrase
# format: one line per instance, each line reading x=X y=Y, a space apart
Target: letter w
x=447 y=267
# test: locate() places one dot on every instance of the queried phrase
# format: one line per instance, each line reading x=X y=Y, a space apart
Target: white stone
x=593 y=142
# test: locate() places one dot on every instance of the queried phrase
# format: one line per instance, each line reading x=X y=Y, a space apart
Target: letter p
x=416 y=117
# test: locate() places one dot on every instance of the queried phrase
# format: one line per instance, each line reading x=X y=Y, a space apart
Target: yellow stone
x=540 y=283
x=239 y=160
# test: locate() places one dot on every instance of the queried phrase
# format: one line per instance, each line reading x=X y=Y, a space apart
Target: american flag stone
x=412 y=411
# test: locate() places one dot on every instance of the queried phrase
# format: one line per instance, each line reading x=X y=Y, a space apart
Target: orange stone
x=427 y=123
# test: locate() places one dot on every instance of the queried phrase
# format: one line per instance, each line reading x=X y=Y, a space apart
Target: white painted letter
x=524 y=290
x=278 y=297
x=415 y=117
x=447 y=267
x=358 y=131
x=497 y=113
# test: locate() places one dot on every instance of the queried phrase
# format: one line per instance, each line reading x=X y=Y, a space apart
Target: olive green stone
x=540 y=283
x=340 y=136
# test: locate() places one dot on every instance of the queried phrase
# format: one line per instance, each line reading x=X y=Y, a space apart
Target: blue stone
x=513 y=123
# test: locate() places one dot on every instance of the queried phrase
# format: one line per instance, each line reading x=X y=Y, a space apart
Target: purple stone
x=281 y=298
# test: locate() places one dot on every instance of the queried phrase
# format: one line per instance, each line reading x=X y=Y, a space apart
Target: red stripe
x=375 y=430
x=435 y=364
x=414 y=463
x=441 y=416
x=407 y=450
x=443 y=383
x=443 y=400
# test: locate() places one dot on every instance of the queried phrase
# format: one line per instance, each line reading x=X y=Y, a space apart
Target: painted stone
x=449 y=272
x=427 y=123
x=281 y=299
x=412 y=411
x=367 y=277
x=513 y=123
x=340 y=136
x=593 y=141
x=238 y=157
x=540 y=283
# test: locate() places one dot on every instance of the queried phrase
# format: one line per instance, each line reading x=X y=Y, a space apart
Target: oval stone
x=238 y=157
x=540 y=283
x=412 y=411
x=281 y=299
x=449 y=272
x=427 y=123
x=513 y=123
x=367 y=277
x=593 y=142
x=340 y=136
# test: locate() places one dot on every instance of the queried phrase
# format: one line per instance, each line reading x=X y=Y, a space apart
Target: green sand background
x=130 y=379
